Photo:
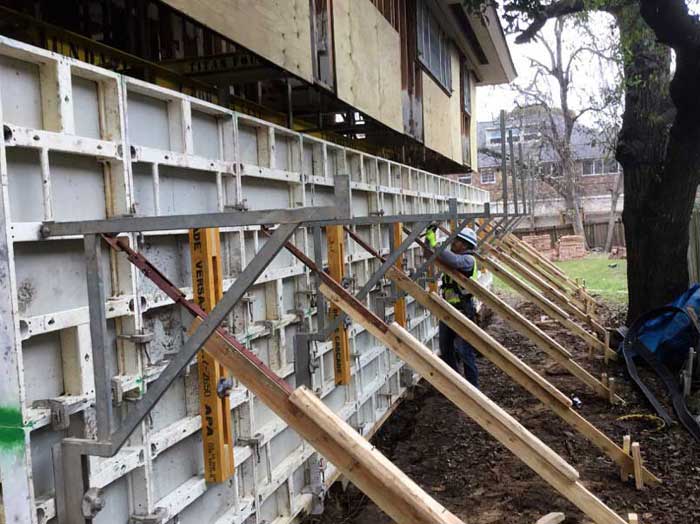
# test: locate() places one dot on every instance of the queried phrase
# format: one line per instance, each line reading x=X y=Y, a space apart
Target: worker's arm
x=463 y=263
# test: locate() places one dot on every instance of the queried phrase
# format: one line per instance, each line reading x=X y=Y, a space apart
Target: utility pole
x=513 y=173
x=522 y=176
x=504 y=165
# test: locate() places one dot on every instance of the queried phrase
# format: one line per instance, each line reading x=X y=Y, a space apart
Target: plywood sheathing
x=368 y=61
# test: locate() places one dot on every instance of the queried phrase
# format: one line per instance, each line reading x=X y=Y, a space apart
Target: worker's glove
x=430 y=237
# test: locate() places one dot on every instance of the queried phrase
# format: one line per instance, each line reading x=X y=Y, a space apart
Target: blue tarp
x=670 y=334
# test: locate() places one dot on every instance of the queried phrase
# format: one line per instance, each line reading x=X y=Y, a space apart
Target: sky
x=589 y=75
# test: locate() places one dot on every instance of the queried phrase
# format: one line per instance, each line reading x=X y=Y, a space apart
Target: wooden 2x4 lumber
x=529 y=330
x=336 y=267
x=526 y=446
x=546 y=267
x=482 y=341
x=506 y=253
x=536 y=265
x=539 y=263
x=550 y=292
x=544 y=304
x=515 y=368
x=545 y=462
x=386 y=485
x=217 y=430
x=515 y=319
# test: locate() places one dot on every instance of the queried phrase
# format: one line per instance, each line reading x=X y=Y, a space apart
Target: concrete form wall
x=85 y=143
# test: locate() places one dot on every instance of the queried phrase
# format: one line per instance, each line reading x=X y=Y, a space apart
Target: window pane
x=434 y=60
x=599 y=167
x=588 y=167
x=466 y=95
x=611 y=166
x=433 y=46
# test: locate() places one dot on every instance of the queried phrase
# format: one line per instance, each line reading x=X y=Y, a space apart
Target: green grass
x=601 y=279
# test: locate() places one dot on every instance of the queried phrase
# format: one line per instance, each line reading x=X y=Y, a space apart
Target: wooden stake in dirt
x=627 y=448
x=552 y=518
x=637 y=459
x=514 y=367
x=633 y=518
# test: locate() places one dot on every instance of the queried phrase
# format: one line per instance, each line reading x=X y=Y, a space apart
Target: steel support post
x=302 y=360
x=320 y=298
x=71 y=478
x=521 y=168
x=98 y=335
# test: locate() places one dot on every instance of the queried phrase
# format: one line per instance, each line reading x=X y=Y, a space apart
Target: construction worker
x=458 y=256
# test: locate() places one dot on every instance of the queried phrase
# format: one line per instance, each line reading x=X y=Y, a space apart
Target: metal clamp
x=93 y=502
x=255 y=442
x=141 y=340
x=224 y=387
x=159 y=516
x=61 y=409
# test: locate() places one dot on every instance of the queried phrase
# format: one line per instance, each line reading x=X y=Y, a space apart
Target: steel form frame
x=111 y=151
x=69 y=455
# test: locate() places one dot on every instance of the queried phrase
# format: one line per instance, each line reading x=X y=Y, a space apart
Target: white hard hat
x=468 y=235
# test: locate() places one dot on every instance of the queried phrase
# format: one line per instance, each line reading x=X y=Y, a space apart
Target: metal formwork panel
x=84 y=143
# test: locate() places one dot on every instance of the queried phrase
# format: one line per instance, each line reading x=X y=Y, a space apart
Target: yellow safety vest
x=452 y=292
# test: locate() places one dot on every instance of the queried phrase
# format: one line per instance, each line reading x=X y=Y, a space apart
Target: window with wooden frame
x=488 y=176
x=599 y=166
x=433 y=47
x=466 y=110
x=322 y=43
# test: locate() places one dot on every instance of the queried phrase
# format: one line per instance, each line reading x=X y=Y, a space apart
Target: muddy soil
x=480 y=481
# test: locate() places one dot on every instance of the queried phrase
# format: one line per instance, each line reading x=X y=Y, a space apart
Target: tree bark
x=653 y=211
x=663 y=217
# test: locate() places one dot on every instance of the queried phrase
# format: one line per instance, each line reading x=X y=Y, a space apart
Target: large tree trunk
x=655 y=206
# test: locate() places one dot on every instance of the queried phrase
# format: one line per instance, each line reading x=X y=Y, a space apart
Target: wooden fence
x=595 y=233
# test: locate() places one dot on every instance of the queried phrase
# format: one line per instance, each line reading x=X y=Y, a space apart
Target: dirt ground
x=480 y=481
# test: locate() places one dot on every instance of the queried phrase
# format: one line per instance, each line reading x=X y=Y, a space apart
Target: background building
x=597 y=174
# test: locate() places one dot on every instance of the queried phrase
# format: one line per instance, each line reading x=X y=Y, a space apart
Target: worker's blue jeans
x=454 y=349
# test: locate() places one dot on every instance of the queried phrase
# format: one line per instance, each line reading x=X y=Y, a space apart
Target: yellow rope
x=660 y=424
